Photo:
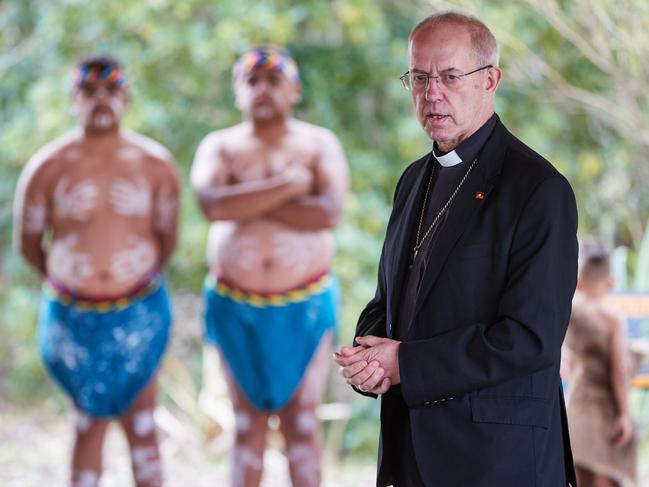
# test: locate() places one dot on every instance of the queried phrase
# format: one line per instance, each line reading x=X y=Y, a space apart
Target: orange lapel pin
x=479 y=195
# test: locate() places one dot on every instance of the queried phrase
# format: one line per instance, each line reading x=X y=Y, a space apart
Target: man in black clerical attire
x=475 y=282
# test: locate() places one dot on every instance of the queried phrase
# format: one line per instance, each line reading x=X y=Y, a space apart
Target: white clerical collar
x=449 y=159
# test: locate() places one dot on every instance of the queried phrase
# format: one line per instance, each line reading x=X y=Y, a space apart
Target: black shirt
x=442 y=185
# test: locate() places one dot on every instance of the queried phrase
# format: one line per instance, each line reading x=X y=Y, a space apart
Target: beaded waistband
x=313 y=286
x=61 y=293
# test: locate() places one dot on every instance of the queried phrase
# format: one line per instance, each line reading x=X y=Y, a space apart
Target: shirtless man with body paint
x=274 y=188
x=96 y=214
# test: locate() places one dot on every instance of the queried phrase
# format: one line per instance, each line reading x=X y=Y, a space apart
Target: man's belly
x=103 y=265
x=265 y=256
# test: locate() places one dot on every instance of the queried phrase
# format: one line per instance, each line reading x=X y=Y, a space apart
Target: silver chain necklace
x=419 y=243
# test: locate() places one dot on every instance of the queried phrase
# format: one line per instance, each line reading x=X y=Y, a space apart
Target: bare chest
x=257 y=161
x=101 y=186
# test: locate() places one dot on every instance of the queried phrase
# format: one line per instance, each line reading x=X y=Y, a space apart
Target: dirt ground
x=34 y=452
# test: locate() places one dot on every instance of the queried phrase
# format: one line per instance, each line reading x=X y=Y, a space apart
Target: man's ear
x=494 y=75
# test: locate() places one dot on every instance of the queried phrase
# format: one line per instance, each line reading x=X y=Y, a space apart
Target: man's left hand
x=381 y=356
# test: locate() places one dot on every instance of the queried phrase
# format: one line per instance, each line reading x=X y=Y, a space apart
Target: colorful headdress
x=266 y=58
x=92 y=72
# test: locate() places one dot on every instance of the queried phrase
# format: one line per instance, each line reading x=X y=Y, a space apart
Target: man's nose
x=434 y=89
x=262 y=86
x=102 y=93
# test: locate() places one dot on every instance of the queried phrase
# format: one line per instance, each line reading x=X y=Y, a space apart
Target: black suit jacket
x=480 y=369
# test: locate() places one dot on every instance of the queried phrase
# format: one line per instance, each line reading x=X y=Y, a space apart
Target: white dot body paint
x=306 y=464
x=129 y=153
x=242 y=421
x=103 y=120
x=291 y=253
x=72 y=154
x=68 y=265
x=166 y=207
x=75 y=202
x=133 y=262
x=146 y=464
x=243 y=459
x=35 y=216
x=306 y=422
x=85 y=478
x=130 y=198
x=143 y=423
x=82 y=421
x=245 y=253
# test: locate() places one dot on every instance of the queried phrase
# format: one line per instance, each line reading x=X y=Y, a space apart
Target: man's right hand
x=366 y=375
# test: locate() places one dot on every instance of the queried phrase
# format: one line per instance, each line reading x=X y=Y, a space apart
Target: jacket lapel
x=406 y=226
x=471 y=197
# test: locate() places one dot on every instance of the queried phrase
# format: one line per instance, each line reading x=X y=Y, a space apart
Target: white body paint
x=85 y=478
x=72 y=154
x=291 y=253
x=242 y=421
x=306 y=463
x=243 y=459
x=133 y=262
x=166 y=207
x=68 y=265
x=75 y=202
x=82 y=421
x=249 y=255
x=129 y=153
x=35 y=216
x=306 y=421
x=146 y=464
x=130 y=198
x=143 y=423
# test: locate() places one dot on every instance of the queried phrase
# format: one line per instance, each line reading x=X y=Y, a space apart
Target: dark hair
x=594 y=261
x=99 y=60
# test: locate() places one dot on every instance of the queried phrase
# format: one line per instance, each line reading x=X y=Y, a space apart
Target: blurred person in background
x=476 y=277
x=95 y=214
x=273 y=186
x=603 y=440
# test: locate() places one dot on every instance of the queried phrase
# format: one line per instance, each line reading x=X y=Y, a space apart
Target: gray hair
x=483 y=41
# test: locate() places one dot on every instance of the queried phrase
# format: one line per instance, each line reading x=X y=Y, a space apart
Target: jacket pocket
x=514 y=410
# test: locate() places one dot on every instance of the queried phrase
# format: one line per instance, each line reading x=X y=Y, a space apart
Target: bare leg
x=86 y=454
x=298 y=421
x=250 y=437
x=139 y=426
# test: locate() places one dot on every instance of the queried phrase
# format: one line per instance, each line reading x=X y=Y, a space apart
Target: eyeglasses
x=418 y=82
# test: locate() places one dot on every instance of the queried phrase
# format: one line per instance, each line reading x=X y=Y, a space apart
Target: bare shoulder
x=150 y=148
x=222 y=139
x=46 y=159
x=314 y=133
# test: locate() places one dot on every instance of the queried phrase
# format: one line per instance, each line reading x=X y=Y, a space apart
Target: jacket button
x=427 y=403
x=390 y=327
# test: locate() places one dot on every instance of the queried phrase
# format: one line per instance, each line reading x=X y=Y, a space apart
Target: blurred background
x=574 y=89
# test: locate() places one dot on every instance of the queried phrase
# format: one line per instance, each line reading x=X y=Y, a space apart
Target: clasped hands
x=372 y=366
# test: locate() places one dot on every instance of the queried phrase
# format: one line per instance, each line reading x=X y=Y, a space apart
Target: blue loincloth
x=268 y=340
x=103 y=353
